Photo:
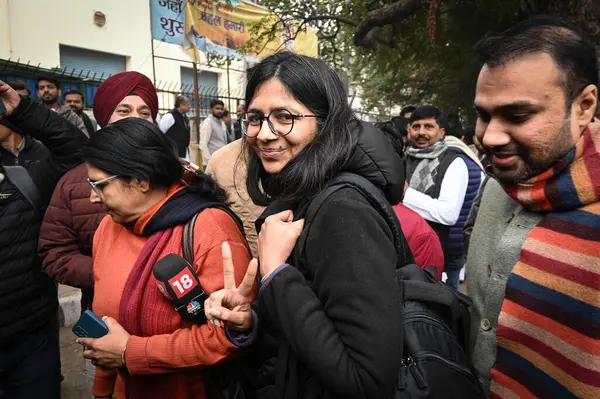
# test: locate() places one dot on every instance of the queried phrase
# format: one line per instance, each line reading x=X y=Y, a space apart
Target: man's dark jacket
x=179 y=133
x=28 y=297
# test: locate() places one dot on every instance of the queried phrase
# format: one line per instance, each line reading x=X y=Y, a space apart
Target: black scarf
x=182 y=207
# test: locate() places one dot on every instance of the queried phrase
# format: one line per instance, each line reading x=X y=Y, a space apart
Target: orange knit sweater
x=115 y=252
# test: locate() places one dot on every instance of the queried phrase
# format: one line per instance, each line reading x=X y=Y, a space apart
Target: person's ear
x=143 y=185
x=584 y=106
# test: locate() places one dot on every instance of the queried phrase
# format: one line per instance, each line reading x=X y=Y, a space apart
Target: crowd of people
x=299 y=228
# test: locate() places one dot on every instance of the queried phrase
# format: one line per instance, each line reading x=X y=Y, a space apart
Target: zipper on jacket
x=463 y=370
x=409 y=365
x=435 y=321
x=419 y=315
x=402 y=377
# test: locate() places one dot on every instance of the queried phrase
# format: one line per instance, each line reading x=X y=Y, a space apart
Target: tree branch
x=383 y=16
x=373 y=36
x=325 y=17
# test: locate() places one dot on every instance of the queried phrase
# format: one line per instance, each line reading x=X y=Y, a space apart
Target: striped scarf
x=548 y=332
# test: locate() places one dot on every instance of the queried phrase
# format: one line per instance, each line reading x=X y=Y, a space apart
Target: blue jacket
x=456 y=246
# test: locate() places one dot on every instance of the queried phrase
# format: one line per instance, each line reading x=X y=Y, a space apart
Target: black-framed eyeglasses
x=280 y=121
x=98 y=184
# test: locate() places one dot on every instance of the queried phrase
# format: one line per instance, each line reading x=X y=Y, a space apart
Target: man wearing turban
x=71 y=220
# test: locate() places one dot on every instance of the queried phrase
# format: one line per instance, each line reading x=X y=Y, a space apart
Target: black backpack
x=436 y=358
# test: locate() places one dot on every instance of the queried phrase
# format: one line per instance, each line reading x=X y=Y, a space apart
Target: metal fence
x=169 y=91
x=69 y=78
x=87 y=83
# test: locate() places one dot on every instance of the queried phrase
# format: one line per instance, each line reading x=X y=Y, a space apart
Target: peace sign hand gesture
x=231 y=305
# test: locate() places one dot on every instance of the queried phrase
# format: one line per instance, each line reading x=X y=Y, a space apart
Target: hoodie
x=339 y=312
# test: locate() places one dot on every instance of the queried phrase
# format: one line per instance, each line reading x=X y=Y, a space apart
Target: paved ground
x=75 y=384
x=74 y=366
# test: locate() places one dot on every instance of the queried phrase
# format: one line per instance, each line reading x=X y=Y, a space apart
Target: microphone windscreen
x=169 y=266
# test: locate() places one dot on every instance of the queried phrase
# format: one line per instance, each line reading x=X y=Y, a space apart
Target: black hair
x=225 y=113
x=573 y=53
x=47 y=79
x=454 y=126
x=71 y=92
x=469 y=133
x=216 y=102
x=429 y=112
x=19 y=85
x=135 y=147
x=180 y=100
x=407 y=110
x=401 y=123
x=319 y=88
x=393 y=135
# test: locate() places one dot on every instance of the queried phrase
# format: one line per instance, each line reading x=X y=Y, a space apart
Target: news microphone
x=178 y=281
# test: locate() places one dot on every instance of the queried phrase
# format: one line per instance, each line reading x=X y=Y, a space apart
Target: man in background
x=48 y=90
x=20 y=87
x=228 y=126
x=213 y=132
x=437 y=177
x=75 y=100
x=237 y=124
x=175 y=124
x=407 y=111
x=455 y=252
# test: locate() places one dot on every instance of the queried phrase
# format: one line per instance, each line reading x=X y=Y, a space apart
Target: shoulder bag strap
x=19 y=176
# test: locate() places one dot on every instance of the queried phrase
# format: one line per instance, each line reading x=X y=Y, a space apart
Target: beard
x=534 y=161
x=50 y=100
x=78 y=111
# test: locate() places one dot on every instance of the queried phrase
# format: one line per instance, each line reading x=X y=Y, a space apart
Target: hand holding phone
x=90 y=326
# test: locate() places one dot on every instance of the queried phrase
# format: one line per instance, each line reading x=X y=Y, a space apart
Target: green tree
x=402 y=52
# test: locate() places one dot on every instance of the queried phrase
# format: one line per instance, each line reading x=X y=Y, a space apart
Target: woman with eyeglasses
x=329 y=326
x=150 y=351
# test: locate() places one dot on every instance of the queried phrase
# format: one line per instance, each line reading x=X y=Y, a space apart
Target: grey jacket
x=66 y=112
x=499 y=233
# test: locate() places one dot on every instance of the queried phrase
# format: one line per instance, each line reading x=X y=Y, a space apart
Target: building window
x=88 y=64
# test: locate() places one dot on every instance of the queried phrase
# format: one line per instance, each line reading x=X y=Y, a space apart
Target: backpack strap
x=19 y=176
x=187 y=243
x=376 y=199
x=188 y=240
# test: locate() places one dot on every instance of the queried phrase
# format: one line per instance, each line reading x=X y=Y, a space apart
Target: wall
x=4 y=30
x=37 y=27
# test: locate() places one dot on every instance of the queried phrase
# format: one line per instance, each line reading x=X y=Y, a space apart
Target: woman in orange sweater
x=150 y=351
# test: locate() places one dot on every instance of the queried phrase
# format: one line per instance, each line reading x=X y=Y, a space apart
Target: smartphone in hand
x=90 y=326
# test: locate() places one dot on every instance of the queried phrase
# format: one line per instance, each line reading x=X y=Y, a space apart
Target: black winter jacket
x=338 y=314
x=27 y=296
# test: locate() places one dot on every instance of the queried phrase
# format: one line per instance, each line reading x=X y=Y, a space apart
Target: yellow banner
x=226 y=26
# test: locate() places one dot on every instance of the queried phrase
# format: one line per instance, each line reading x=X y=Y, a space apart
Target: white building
x=96 y=38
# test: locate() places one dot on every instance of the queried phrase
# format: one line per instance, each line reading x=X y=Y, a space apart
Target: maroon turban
x=114 y=89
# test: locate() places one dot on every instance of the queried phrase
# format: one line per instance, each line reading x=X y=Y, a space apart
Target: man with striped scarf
x=534 y=255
